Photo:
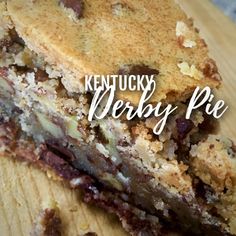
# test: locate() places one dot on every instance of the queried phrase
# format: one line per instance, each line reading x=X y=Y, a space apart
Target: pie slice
x=185 y=176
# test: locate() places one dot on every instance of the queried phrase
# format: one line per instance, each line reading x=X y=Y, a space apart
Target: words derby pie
x=104 y=103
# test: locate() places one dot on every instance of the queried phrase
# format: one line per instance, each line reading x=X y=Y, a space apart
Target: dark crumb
x=48 y=223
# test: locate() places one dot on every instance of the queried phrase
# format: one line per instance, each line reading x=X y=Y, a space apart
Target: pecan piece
x=76 y=5
x=211 y=71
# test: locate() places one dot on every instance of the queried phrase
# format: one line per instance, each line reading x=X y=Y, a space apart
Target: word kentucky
x=121 y=82
x=104 y=103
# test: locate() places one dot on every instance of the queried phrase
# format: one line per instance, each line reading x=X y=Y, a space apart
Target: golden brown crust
x=112 y=34
x=214 y=162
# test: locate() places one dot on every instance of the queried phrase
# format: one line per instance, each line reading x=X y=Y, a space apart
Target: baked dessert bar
x=15 y=145
x=184 y=176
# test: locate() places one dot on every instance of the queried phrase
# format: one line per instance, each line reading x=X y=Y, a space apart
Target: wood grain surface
x=25 y=190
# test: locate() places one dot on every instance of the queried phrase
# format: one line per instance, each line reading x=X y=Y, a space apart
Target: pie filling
x=185 y=176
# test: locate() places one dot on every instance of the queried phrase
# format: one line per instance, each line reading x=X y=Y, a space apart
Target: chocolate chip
x=209 y=125
x=211 y=146
x=20 y=70
x=41 y=75
x=184 y=126
x=76 y=5
x=138 y=70
x=90 y=234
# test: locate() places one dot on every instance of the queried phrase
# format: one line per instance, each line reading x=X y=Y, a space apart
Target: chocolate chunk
x=184 y=126
x=211 y=146
x=41 y=75
x=209 y=125
x=205 y=191
x=138 y=70
x=90 y=234
x=76 y=5
x=20 y=70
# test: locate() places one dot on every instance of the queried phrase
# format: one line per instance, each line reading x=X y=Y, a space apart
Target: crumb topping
x=214 y=163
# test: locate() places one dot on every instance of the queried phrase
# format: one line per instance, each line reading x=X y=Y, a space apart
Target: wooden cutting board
x=25 y=190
